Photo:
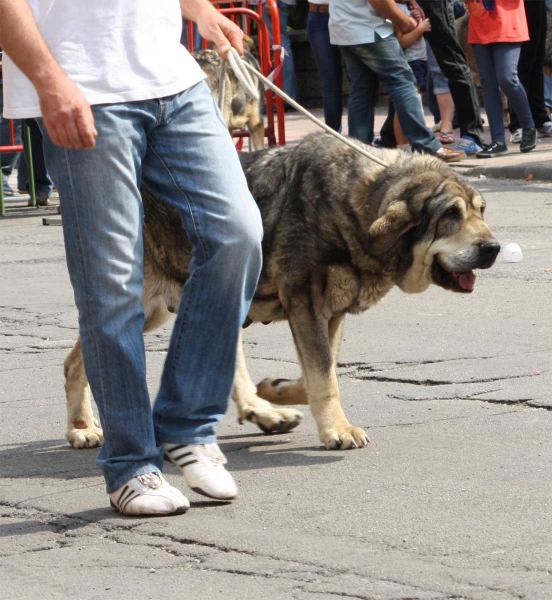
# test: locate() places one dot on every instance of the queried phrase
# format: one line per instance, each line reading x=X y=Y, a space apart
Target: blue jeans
x=180 y=148
x=385 y=58
x=42 y=180
x=328 y=61
x=290 y=81
x=497 y=64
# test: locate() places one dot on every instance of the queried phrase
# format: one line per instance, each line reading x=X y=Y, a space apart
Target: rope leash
x=239 y=67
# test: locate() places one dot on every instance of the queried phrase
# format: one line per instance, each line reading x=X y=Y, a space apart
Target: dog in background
x=238 y=109
x=339 y=232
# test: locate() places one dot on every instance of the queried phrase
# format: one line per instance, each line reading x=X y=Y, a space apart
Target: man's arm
x=213 y=26
x=389 y=10
x=66 y=113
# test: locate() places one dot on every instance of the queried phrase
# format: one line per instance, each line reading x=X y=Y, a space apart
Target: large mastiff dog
x=339 y=232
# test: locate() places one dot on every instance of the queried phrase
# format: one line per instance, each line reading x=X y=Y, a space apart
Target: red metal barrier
x=270 y=59
x=12 y=146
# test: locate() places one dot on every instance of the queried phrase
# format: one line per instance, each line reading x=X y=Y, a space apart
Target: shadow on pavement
x=57 y=460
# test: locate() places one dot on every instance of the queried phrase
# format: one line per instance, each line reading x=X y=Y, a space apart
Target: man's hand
x=407 y=25
x=416 y=8
x=216 y=28
x=66 y=114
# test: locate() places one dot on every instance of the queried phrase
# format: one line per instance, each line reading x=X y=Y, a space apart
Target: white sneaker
x=202 y=466
x=546 y=129
x=516 y=136
x=149 y=495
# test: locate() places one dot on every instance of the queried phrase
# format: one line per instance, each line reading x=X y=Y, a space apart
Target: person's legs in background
x=328 y=61
x=385 y=58
x=432 y=103
x=484 y=57
x=506 y=57
x=530 y=65
x=290 y=81
x=497 y=64
x=452 y=60
x=363 y=89
x=43 y=182
x=443 y=97
x=8 y=161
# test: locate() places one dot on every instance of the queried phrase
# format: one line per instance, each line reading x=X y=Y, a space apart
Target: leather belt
x=319 y=8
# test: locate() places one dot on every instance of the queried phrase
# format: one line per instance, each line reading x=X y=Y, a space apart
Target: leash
x=240 y=69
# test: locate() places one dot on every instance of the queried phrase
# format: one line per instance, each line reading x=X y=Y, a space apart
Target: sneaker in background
x=42 y=199
x=490 y=150
x=528 y=140
x=7 y=189
x=546 y=129
x=515 y=137
x=468 y=145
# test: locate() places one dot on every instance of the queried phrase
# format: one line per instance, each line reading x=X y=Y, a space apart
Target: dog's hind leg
x=293 y=391
x=255 y=410
x=83 y=430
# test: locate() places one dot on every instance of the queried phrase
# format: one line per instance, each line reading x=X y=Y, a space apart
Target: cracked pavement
x=451 y=500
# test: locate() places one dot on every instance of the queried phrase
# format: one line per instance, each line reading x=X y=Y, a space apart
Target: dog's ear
x=386 y=230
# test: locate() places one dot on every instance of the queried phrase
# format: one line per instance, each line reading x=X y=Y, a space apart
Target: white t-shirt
x=114 y=50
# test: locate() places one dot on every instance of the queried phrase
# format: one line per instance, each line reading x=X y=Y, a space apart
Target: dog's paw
x=346 y=438
x=271 y=420
x=87 y=437
x=282 y=391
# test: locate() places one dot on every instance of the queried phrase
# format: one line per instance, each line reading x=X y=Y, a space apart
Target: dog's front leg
x=317 y=342
x=83 y=430
x=256 y=410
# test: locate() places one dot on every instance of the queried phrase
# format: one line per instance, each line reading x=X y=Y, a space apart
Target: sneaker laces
x=214 y=454
x=464 y=143
x=151 y=480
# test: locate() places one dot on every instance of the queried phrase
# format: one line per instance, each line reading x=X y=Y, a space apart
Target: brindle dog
x=339 y=232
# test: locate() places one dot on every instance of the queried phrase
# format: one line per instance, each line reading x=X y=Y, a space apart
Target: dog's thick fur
x=339 y=232
x=238 y=108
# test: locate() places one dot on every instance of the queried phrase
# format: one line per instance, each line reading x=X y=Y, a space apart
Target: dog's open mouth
x=457 y=282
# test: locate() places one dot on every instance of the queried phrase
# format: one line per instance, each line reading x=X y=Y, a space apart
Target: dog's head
x=430 y=224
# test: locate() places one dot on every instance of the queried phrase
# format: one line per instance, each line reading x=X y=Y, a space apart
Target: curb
x=535 y=172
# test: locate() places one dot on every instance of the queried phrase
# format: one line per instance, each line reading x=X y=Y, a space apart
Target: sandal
x=446 y=137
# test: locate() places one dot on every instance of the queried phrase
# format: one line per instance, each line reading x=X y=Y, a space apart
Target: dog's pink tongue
x=466 y=280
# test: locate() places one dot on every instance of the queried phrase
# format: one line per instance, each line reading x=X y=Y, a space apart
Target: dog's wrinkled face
x=442 y=235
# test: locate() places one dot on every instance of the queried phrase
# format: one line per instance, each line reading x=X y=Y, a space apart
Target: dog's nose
x=490 y=250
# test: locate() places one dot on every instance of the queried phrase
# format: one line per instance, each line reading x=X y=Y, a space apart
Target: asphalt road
x=451 y=500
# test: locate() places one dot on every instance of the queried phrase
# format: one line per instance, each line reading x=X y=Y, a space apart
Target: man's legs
x=452 y=60
x=328 y=61
x=385 y=58
x=192 y=164
x=102 y=223
x=363 y=89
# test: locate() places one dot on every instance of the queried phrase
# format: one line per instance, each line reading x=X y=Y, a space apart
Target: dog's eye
x=452 y=213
